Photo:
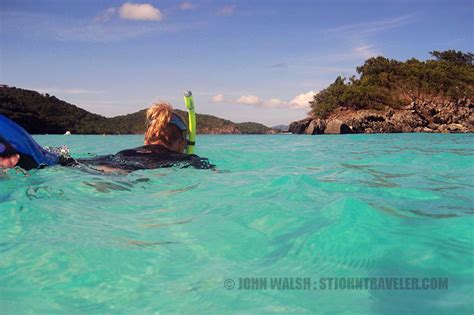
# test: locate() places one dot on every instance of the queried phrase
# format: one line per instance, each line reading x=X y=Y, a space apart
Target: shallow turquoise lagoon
x=165 y=241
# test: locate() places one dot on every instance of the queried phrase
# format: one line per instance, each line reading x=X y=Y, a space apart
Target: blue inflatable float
x=15 y=140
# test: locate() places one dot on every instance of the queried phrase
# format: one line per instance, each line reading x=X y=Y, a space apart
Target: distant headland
x=391 y=96
x=43 y=113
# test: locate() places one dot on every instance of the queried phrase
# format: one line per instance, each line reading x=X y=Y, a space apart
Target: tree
x=453 y=56
x=386 y=82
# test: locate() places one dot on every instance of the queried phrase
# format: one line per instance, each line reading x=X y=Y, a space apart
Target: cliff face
x=421 y=116
x=388 y=95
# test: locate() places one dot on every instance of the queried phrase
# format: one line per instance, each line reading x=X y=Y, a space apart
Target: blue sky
x=244 y=60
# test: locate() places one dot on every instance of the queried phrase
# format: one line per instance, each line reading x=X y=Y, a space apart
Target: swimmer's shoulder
x=151 y=149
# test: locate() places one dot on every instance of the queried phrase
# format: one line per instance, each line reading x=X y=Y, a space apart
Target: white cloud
x=104 y=28
x=249 y=100
x=140 y=11
x=274 y=103
x=103 y=32
x=302 y=100
x=365 y=51
x=374 y=26
x=362 y=51
x=218 y=98
x=186 y=5
x=359 y=35
x=227 y=10
x=106 y=15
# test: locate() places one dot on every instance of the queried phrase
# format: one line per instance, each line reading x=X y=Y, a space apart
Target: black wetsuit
x=142 y=158
x=16 y=140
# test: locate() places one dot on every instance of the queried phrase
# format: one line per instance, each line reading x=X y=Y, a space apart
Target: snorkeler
x=166 y=139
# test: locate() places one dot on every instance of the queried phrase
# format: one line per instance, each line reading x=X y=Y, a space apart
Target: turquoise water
x=164 y=241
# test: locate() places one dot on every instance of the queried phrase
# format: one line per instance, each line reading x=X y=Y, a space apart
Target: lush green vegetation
x=39 y=114
x=385 y=82
x=135 y=123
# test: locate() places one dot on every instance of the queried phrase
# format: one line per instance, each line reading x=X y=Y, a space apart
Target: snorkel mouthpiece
x=189 y=102
x=188 y=94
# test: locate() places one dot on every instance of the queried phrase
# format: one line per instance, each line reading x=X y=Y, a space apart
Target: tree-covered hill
x=386 y=82
x=42 y=113
x=388 y=96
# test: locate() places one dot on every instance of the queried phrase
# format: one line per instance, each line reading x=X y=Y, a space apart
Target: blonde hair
x=158 y=119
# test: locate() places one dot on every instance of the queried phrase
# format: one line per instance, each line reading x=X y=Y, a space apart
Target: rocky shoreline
x=421 y=116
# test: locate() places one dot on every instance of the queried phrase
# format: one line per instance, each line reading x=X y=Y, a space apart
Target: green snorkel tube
x=188 y=101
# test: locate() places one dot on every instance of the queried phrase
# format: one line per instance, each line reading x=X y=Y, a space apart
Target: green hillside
x=448 y=76
x=42 y=113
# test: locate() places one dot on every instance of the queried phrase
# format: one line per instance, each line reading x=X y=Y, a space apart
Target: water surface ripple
x=164 y=241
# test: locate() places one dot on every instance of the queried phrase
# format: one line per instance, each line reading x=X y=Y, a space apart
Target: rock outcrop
x=336 y=127
x=316 y=127
x=299 y=127
x=434 y=116
x=229 y=130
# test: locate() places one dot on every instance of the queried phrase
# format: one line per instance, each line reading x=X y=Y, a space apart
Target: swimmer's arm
x=107 y=169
